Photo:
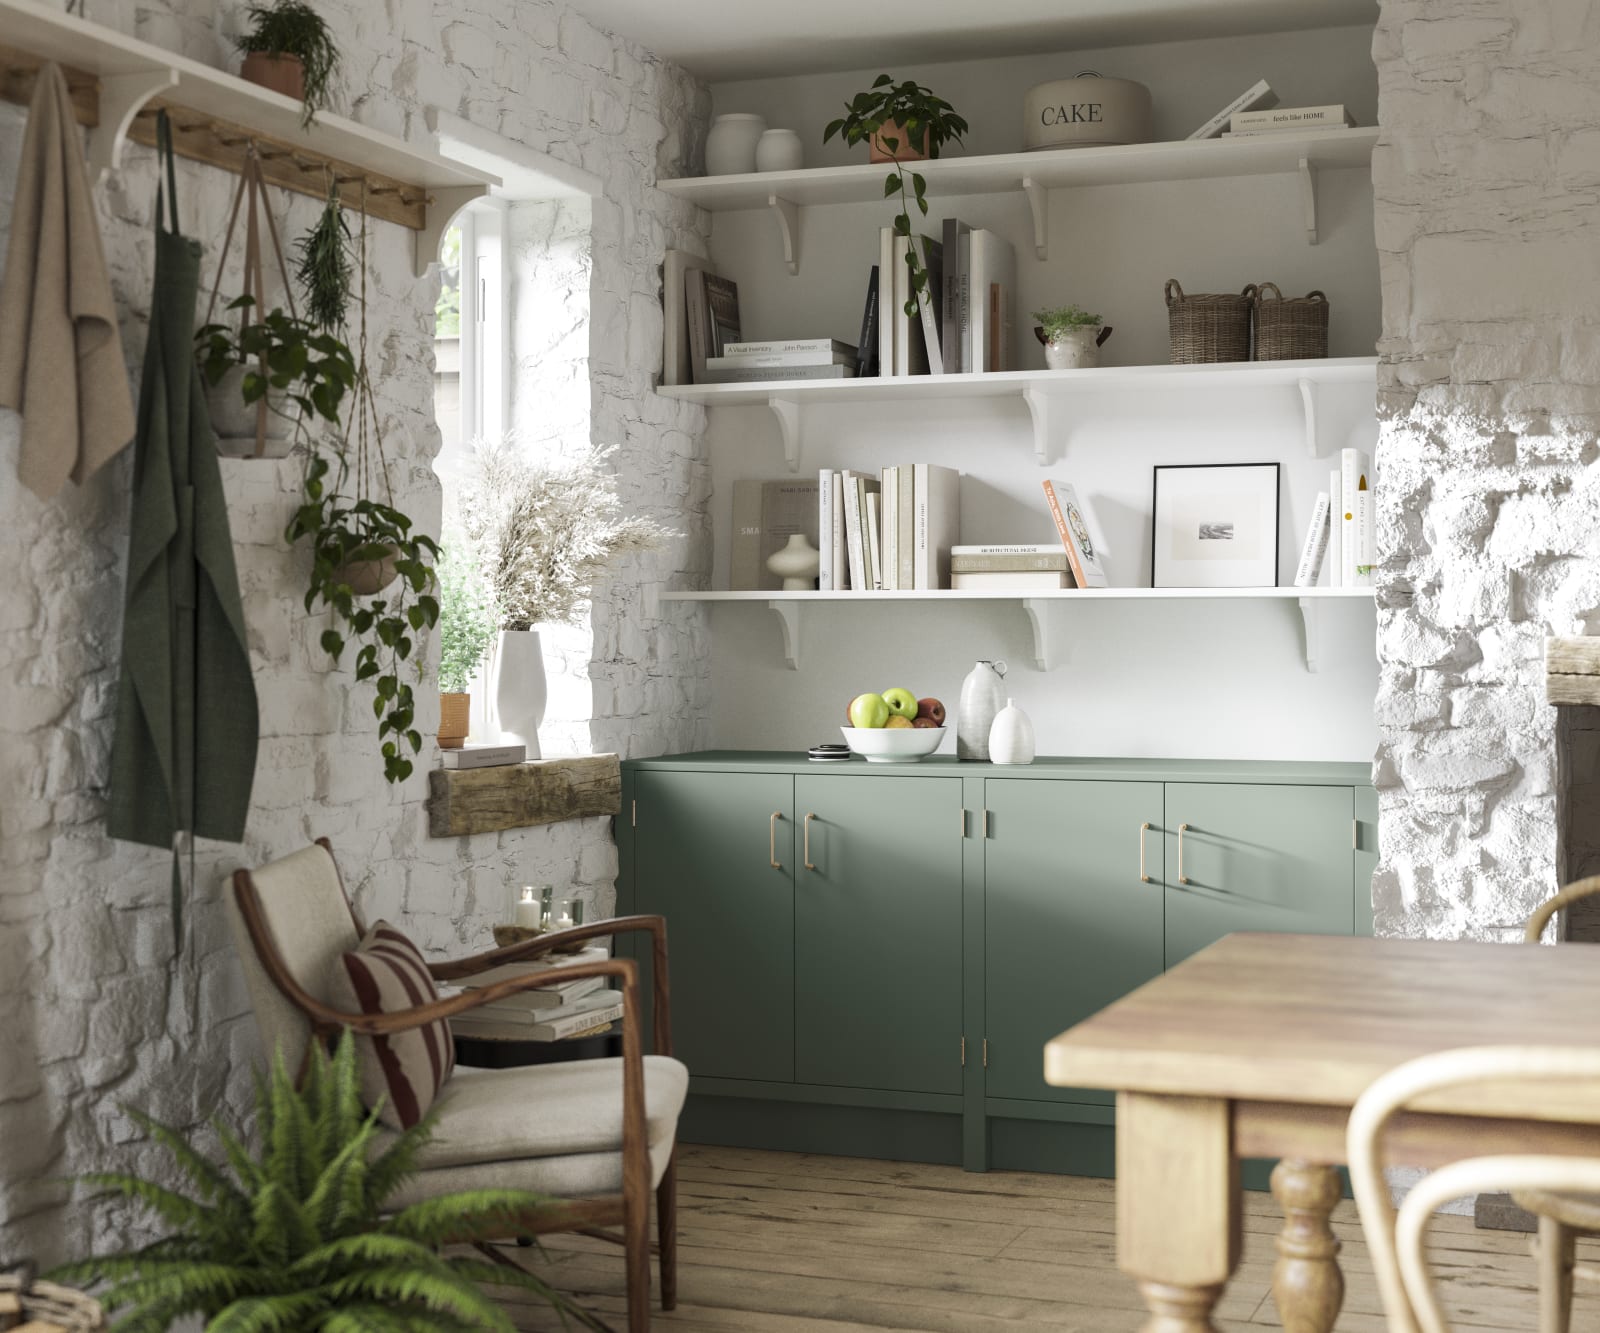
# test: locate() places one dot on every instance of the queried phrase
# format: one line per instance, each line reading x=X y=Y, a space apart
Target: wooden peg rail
x=18 y=70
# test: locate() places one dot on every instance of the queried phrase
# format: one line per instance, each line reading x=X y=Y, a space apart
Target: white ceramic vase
x=1011 y=736
x=983 y=694
x=780 y=150
x=1073 y=349
x=516 y=684
x=731 y=143
x=796 y=563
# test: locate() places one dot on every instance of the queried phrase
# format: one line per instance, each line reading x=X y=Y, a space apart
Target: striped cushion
x=401 y=1074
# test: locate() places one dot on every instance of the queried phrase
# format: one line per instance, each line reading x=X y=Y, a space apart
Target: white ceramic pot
x=234 y=420
x=731 y=144
x=780 y=150
x=1085 y=111
x=796 y=563
x=1011 y=736
x=517 y=686
x=1073 y=349
x=983 y=694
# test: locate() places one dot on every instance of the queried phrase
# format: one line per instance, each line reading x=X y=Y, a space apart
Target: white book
x=875 y=539
x=1291 y=118
x=936 y=513
x=483 y=756
x=1025 y=580
x=554 y=1029
x=993 y=269
x=964 y=301
x=1335 y=559
x=545 y=999
x=595 y=953
x=1352 y=477
x=747 y=360
x=513 y=1010
x=788 y=346
x=841 y=565
x=1009 y=548
x=1315 y=546
x=825 y=529
x=855 y=548
x=1366 y=533
x=887 y=323
x=1259 y=95
x=889 y=518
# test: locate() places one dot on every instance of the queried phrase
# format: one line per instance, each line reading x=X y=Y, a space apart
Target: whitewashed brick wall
x=97 y=1009
x=1487 y=178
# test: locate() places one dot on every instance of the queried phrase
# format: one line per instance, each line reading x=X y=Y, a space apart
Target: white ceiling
x=739 y=39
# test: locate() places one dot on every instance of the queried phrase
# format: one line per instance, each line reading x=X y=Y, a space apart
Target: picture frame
x=1214 y=525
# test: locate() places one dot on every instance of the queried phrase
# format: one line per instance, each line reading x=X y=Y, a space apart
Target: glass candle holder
x=571 y=914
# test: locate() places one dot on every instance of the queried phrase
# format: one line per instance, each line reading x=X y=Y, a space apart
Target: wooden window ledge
x=542 y=791
x=1572 y=670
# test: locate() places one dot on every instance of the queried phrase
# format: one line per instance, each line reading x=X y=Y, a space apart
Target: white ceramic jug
x=983 y=694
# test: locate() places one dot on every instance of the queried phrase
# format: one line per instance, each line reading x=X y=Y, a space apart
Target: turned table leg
x=1177 y=1206
x=1307 y=1286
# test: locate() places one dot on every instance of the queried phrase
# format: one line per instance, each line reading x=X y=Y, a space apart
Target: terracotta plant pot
x=283 y=74
x=367 y=577
x=903 y=153
x=454 y=710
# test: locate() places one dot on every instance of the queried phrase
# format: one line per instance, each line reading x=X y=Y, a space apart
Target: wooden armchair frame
x=630 y=1208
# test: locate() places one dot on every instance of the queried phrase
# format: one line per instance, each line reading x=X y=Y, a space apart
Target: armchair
x=596 y=1135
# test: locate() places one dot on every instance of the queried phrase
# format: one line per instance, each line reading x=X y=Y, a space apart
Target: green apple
x=868 y=710
x=902 y=703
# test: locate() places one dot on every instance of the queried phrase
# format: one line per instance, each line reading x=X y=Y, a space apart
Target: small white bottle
x=1011 y=736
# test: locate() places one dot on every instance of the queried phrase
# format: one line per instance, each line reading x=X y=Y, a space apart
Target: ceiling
x=739 y=39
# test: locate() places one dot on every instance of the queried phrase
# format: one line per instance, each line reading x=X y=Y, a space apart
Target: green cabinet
x=877 y=932
x=1069 y=925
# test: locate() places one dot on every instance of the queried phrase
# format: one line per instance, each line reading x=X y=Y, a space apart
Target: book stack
x=962 y=321
x=890 y=532
x=1253 y=98
x=783 y=359
x=1279 y=120
x=1342 y=532
x=551 y=1013
x=1018 y=567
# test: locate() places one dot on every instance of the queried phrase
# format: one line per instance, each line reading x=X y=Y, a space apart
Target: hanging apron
x=184 y=754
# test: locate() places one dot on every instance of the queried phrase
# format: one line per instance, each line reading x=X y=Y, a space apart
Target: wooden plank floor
x=790 y=1243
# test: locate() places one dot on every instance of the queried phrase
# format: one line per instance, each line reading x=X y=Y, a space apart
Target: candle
x=528 y=909
x=563 y=922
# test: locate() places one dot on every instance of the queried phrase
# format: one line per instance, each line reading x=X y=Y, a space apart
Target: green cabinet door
x=704 y=844
x=878 y=932
x=1069 y=926
x=1257 y=858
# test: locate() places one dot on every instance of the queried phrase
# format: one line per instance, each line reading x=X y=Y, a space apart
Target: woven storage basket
x=1209 y=326
x=1291 y=328
x=65 y=1308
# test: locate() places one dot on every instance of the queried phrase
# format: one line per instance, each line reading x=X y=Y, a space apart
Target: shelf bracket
x=1049 y=647
x=788 y=214
x=446 y=205
x=788 y=614
x=121 y=97
x=787 y=411
x=1308 y=198
x=1308 y=403
x=1311 y=617
x=1039 y=203
x=1039 y=402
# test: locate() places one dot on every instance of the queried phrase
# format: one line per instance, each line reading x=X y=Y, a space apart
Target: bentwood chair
x=597 y=1136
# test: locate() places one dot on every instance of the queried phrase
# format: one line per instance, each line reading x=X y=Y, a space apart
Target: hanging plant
x=294 y=364
x=322 y=266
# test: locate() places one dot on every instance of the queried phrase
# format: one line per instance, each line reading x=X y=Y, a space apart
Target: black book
x=867 y=364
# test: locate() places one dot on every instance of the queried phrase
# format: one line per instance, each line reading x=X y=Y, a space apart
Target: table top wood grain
x=1314 y=1019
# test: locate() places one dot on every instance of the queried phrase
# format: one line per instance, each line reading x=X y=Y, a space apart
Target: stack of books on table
x=550 y=1013
x=781 y=359
x=887 y=533
x=1281 y=119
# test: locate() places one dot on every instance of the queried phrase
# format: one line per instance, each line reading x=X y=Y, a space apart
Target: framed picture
x=1215 y=526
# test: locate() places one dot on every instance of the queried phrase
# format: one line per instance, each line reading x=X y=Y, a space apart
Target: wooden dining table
x=1259 y=1045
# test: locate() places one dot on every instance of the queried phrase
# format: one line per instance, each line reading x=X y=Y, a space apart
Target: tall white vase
x=516 y=684
x=983 y=695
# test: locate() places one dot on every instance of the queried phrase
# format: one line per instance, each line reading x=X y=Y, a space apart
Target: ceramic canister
x=731 y=144
x=1084 y=111
x=780 y=150
x=983 y=693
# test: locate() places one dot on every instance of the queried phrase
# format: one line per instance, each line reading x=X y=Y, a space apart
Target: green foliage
x=468 y=617
x=343 y=532
x=322 y=267
x=291 y=28
x=1055 y=320
x=916 y=110
x=298 y=1236
x=447 y=309
x=312 y=369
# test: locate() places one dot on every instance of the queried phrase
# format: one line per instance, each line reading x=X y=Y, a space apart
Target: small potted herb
x=290 y=50
x=1071 y=336
x=468 y=624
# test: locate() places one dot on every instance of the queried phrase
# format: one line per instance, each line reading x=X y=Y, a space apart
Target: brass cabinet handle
x=1182 y=829
x=806 y=850
x=1143 y=829
x=772 y=839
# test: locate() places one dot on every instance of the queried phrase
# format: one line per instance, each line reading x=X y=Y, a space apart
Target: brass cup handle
x=1182 y=829
x=772 y=839
x=805 y=851
x=1143 y=829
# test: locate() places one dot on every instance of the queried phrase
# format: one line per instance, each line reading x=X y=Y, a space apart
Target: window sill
x=543 y=791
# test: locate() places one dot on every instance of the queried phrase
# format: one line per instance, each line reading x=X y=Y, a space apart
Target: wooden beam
x=545 y=791
x=1572 y=670
x=18 y=73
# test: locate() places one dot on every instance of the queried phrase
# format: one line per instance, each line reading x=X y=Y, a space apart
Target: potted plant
x=1071 y=336
x=543 y=532
x=901 y=122
x=290 y=50
x=468 y=623
x=299 y=1234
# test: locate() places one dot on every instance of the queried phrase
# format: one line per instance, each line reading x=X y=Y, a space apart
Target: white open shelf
x=1042 y=390
x=1048 y=648
x=1295 y=154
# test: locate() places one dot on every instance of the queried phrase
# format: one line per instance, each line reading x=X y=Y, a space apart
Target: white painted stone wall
x=97 y=1009
x=1486 y=182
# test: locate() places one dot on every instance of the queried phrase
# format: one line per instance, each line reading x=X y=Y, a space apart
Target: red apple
x=931 y=708
x=924 y=723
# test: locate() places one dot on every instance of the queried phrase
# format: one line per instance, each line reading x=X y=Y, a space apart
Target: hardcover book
x=1012 y=580
x=1075 y=538
x=1315 y=546
x=483 y=756
x=1259 y=95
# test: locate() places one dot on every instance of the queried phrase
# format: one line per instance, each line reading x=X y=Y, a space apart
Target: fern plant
x=295 y=1238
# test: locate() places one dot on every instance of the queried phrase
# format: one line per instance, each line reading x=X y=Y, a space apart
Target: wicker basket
x=1209 y=326
x=1290 y=328
x=46 y=1302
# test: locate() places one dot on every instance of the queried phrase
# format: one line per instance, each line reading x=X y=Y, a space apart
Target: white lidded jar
x=1085 y=111
x=983 y=694
x=1011 y=736
x=731 y=144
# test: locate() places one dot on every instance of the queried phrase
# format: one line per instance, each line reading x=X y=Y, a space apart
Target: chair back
x=305 y=920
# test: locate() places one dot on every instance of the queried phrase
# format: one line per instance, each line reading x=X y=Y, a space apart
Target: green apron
x=184 y=756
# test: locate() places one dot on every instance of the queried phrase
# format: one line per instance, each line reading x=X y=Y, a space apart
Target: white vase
x=1011 y=736
x=517 y=686
x=780 y=150
x=731 y=144
x=796 y=563
x=1073 y=349
x=234 y=420
x=983 y=694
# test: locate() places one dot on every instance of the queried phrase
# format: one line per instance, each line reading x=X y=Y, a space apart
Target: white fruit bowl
x=893 y=745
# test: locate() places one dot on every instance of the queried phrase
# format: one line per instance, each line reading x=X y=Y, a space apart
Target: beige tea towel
x=60 y=353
